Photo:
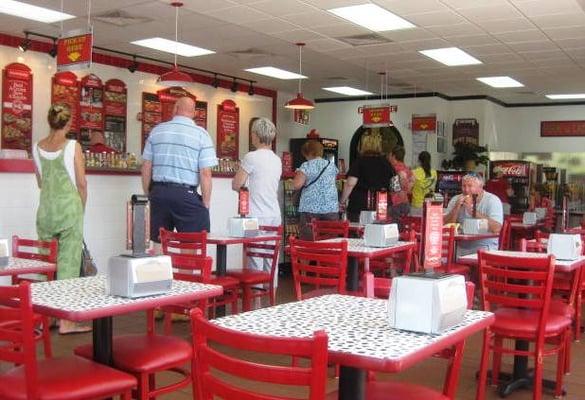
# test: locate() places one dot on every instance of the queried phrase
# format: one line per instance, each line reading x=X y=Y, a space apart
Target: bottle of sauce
x=381 y=205
x=243 y=202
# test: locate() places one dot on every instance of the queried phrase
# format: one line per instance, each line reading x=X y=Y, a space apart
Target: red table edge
x=561 y=268
x=397 y=365
x=243 y=240
x=126 y=308
x=384 y=251
x=28 y=270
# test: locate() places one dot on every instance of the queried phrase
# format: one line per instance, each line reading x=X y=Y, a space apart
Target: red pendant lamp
x=175 y=77
x=299 y=102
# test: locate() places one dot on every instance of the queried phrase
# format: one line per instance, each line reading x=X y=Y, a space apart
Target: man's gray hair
x=265 y=130
x=474 y=175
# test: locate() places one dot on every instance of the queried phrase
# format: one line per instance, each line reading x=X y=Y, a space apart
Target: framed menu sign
x=228 y=129
x=168 y=98
x=115 y=105
x=65 y=90
x=91 y=108
x=17 y=107
x=432 y=237
x=151 y=114
x=201 y=114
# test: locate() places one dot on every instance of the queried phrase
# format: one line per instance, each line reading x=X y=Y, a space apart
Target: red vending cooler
x=522 y=176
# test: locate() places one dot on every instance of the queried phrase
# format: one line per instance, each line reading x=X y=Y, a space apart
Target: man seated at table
x=489 y=207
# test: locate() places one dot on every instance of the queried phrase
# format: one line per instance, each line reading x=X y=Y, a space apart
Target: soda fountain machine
x=522 y=177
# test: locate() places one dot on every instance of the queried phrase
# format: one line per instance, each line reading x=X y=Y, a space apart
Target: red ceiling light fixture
x=175 y=77
x=299 y=102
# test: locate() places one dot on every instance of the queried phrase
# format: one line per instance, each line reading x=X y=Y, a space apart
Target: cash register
x=138 y=274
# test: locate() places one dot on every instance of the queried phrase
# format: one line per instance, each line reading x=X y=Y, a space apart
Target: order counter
x=105 y=214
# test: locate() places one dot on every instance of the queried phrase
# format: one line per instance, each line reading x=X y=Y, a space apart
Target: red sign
x=74 y=51
x=287 y=164
x=562 y=128
x=243 y=202
x=377 y=116
x=201 y=114
x=65 y=90
x=228 y=129
x=115 y=98
x=301 y=117
x=151 y=114
x=511 y=168
x=466 y=131
x=382 y=206
x=432 y=234
x=17 y=87
x=91 y=106
x=424 y=123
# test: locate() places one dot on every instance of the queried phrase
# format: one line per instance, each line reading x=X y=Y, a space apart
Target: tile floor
x=429 y=372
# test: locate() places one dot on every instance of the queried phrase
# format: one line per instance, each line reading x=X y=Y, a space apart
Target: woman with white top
x=60 y=172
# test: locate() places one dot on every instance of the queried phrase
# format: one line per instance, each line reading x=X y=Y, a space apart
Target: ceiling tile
x=425 y=44
x=506 y=25
x=488 y=49
x=238 y=14
x=472 y=40
x=565 y=33
x=544 y=54
x=492 y=59
x=560 y=20
x=408 y=34
x=455 y=30
x=340 y=30
x=464 y=4
x=435 y=18
x=542 y=8
x=270 y=26
x=314 y=18
x=280 y=7
x=533 y=46
x=531 y=35
x=327 y=45
x=490 y=12
x=203 y=6
x=405 y=7
x=298 y=35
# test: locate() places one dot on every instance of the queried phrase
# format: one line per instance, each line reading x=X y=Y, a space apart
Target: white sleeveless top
x=68 y=158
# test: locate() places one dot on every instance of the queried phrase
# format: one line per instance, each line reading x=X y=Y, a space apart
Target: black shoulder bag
x=297 y=194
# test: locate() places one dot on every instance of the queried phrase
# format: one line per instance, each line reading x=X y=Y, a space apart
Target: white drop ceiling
x=540 y=43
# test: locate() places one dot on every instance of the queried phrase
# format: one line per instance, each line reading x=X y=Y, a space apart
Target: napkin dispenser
x=564 y=246
x=540 y=212
x=380 y=235
x=242 y=226
x=475 y=226
x=427 y=303
x=4 y=252
x=139 y=276
x=367 y=217
x=529 y=218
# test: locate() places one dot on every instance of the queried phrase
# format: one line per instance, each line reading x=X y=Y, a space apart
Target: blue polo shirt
x=178 y=149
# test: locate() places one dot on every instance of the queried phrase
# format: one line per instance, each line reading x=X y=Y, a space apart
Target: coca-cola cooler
x=449 y=184
x=522 y=176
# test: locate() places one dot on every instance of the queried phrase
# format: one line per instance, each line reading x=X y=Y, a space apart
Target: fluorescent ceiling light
x=277 y=73
x=451 y=56
x=372 y=17
x=500 y=81
x=28 y=11
x=569 y=96
x=170 y=46
x=348 y=91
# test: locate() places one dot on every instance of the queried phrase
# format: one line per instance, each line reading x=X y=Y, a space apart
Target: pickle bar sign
x=74 y=50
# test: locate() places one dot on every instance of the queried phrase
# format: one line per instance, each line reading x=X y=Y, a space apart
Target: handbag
x=88 y=267
x=296 y=196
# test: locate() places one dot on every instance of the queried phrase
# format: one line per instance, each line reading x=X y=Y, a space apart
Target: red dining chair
x=251 y=280
x=321 y=266
x=41 y=251
x=504 y=237
x=63 y=378
x=145 y=355
x=405 y=261
x=329 y=229
x=448 y=264
x=184 y=248
x=518 y=291
x=211 y=359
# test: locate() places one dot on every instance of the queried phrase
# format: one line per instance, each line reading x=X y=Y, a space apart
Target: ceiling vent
x=367 y=39
x=120 y=18
x=250 y=53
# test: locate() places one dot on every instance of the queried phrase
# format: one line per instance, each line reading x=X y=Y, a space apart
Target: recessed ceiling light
x=35 y=13
x=347 y=90
x=277 y=73
x=372 y=17
x=450 y=56
x=570 y=96
x=500 y=81
x=170 y=46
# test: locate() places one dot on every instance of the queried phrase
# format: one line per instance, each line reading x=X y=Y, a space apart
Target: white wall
x=43 y=67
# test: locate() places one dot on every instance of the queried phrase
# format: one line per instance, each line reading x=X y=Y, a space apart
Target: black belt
x=182 y=185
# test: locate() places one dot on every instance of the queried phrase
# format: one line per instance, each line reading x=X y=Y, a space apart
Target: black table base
x=508 y=383
x=102 y=340
x=353 y=275
x=221 y=269
x=352 y=383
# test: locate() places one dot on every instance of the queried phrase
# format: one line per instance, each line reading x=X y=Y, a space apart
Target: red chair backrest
x=329 y=229
x=504 y=238
x=35 y=249
x=448 y=247
x=267 y=250
x=409 y=222
x=517 y=282
x=533 y=246
x=183 y=242
x=210 y=385
x=318 y=264
x=18 y=344
x=192 y=268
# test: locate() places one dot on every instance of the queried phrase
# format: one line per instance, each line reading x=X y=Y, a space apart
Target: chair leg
x=272 y=295
x=143 y=387
x=47 y=338
x=569 y=338
x=151 y=382
x=578 y=306
x=483 y=366
x=247 y=298
x=496 y=361
x=168 y=323
x=561 y=362
x=234 y=303
x=537 y=385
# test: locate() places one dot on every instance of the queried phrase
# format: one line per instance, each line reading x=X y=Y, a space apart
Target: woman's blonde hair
x=312 y=148
x=58 y=116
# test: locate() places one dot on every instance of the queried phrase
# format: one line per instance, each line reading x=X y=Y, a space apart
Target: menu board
x=91 y=108
x=432 y=234
x=201 y=114
x=17 y=107
x=65 y=90
x=168 y=98
x=151 y=114
x=115 y=106
x=228 y=129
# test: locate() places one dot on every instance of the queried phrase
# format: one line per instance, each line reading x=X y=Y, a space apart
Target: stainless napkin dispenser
x=4 y=255
x=381 y=235
x=475 y=226
x=427 y=303
x=139 y=276
x=564 y=246
x=242 y=226
x=529 y=218
x=367 y=217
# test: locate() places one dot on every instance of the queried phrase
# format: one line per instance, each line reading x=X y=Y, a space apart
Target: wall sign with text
x=17 y=91
x=562 y=128
x=228 y=129
x=74 y=50
x=65 y=89
x=466 y=130
x=432 y=234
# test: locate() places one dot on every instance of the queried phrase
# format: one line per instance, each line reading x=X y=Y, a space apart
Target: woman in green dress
x=60 y=172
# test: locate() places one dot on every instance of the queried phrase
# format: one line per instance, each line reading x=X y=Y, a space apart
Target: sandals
x=69 y=327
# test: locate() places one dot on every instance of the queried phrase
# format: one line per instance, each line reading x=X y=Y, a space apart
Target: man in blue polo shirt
x=177 y=159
